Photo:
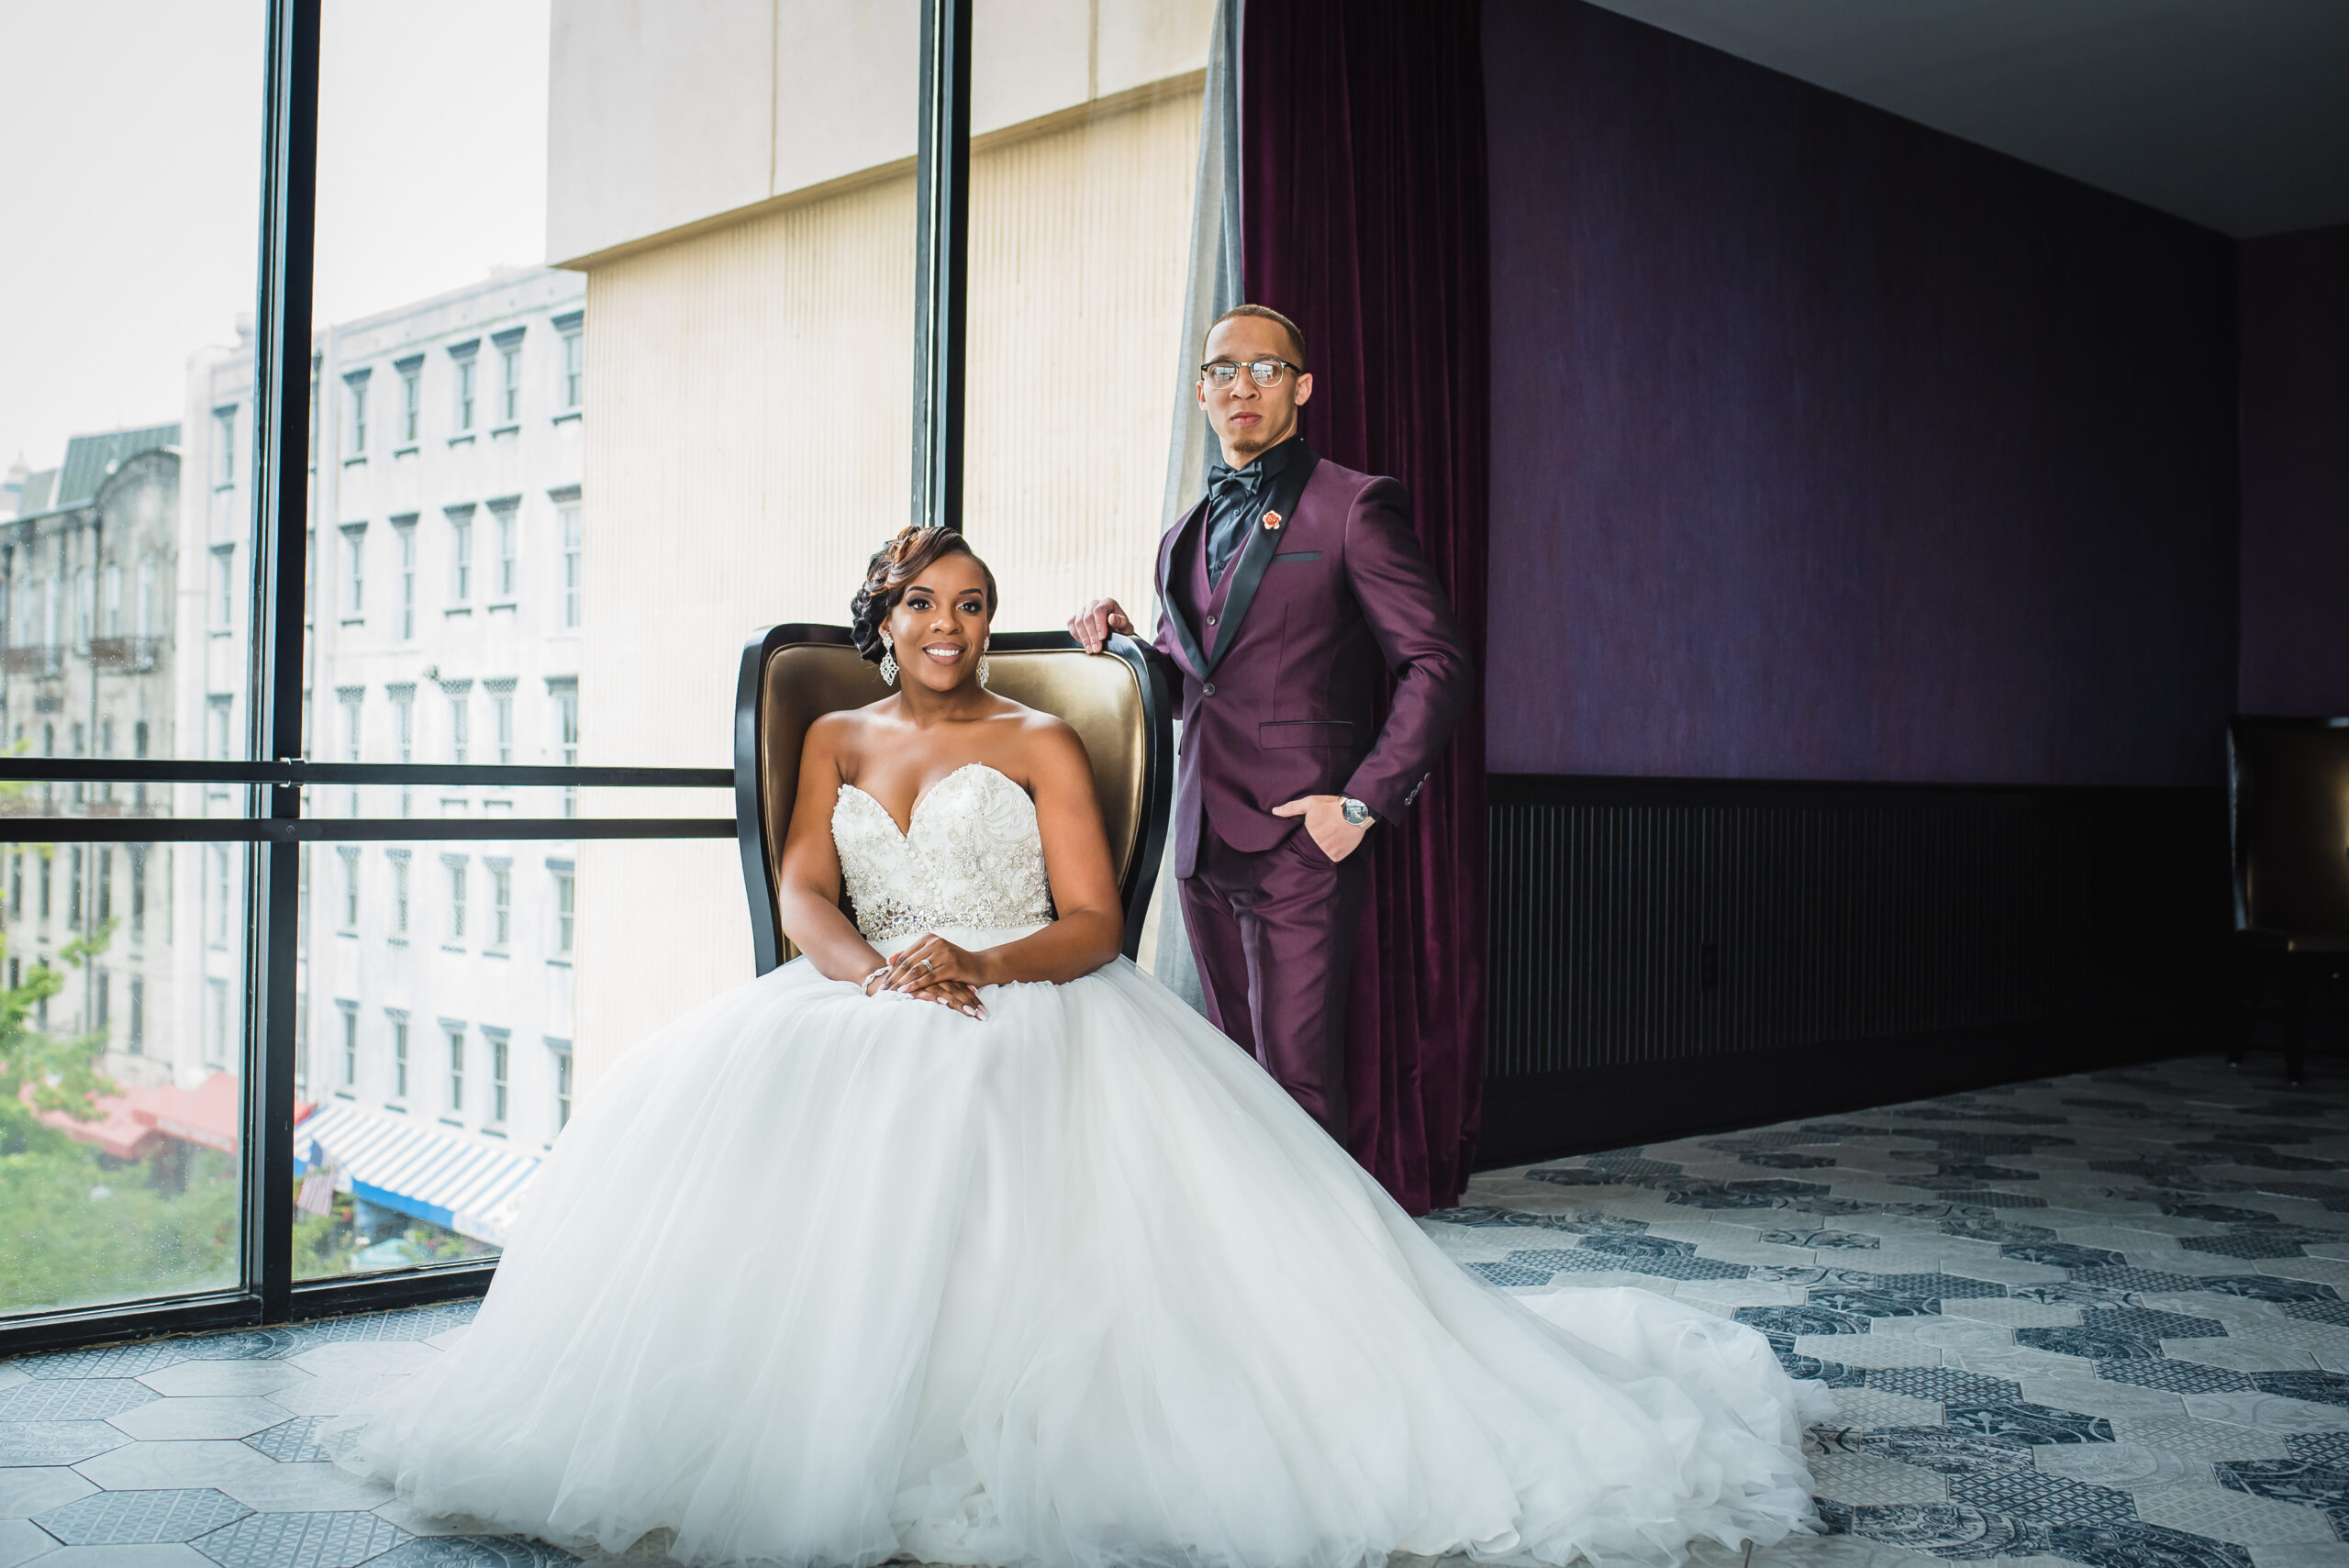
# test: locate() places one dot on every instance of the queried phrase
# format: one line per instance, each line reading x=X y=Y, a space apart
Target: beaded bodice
x=973 y=857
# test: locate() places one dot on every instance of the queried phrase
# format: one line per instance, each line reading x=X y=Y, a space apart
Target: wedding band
x=925 y=963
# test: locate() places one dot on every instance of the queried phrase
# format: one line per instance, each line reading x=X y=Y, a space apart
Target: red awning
x=118 y=1132
x=206 y=1116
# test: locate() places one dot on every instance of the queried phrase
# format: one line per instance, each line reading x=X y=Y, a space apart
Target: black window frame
x=277 y=773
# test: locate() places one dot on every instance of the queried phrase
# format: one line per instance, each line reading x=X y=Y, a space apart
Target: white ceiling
x=2232 y=113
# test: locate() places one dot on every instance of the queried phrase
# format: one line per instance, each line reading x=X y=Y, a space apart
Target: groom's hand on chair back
x=1092 y=625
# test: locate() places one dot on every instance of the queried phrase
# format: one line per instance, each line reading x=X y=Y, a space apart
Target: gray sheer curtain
x=1215 y=286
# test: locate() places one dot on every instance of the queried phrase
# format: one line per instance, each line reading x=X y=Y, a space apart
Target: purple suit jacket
x=1279 y=693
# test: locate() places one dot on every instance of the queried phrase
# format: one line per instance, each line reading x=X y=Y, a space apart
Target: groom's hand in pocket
x=1325 y=819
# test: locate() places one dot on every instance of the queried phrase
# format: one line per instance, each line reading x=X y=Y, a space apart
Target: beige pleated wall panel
x=748 y=447
x=747 y=443
x=1079 y=239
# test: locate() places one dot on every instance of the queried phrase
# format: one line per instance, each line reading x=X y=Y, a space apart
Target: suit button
x=1208 y=690
x=1211 y=620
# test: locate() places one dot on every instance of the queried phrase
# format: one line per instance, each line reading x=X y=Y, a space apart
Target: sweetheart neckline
x=907 y=832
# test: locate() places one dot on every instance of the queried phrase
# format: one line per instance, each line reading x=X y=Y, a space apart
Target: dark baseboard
x=1554 y=1115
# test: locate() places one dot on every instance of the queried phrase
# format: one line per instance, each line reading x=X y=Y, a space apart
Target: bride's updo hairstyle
x=892 y=571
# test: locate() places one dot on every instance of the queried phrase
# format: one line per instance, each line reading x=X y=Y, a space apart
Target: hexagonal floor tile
x=72 y=1399
x=222 y=1415
x=119 y=1518
x=330 y=1540
x=56 y=1442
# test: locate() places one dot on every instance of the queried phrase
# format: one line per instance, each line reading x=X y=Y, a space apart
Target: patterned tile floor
x=2098 y=1320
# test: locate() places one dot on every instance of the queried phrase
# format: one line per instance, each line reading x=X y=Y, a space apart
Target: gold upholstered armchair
x=1116 y=701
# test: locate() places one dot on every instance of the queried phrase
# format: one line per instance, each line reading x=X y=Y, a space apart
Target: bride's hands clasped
x=932 y=969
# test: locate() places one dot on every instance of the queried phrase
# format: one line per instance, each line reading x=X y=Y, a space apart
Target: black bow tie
x=1220 y=477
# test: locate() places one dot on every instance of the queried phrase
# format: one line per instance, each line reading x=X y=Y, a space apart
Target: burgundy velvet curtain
x=1362 y=218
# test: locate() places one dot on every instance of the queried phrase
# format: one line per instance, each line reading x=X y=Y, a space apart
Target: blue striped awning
x=389 y=1160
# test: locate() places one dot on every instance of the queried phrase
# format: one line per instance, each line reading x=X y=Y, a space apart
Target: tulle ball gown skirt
x=818 y=1279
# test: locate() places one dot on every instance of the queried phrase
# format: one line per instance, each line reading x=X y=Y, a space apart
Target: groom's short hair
x=1296 y=338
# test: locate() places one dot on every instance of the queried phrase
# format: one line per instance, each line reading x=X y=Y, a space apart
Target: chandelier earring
x=888 y=663
x=983 y=661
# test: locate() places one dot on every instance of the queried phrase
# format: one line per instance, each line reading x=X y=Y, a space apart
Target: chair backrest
x=1117 y=702
x=2287 y=789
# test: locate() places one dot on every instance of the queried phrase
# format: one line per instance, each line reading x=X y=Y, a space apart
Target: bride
x=961 y=1239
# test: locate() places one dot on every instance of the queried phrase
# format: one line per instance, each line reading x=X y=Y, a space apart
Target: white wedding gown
x=816 y=1278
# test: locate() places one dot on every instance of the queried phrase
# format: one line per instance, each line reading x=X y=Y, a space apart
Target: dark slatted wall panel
x=1648 y=922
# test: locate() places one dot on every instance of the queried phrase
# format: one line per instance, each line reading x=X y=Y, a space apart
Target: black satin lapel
x=1258 y=552
x=1170 y=598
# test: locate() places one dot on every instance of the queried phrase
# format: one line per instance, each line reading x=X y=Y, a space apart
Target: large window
x=431 y=925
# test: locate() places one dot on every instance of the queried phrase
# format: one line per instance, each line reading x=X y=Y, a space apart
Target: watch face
x=1356 y=812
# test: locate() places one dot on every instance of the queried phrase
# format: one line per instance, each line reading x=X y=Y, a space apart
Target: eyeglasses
x=1266 y=372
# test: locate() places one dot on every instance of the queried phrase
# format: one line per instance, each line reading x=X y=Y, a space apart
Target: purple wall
x=2295 y=473
x=1826 y=446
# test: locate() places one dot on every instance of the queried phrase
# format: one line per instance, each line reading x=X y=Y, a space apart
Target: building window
x=569 y=513
x=354 y=572
x=216 y=726
x=565 y=693
x=501 y=902
x=223 y=446
x=456 y=1033
x=48 y=866
x=405 y=532
x=135 y=1029
x=404 y=721
x=16 y=884
x=352 y=737
x=574 y=359
x=399 y=892
x=349 y=853
x=456 y=867
x=74 y=885
x=102 y=990
x=399 y=1054
x=562 y=1050
x=147 y=598
x=566 y=884
x=509 y=375
x=220 y=895
x=501 y=707
x=137 y=894
x=355 y=386
x=463 y=355
x=350 y=1079
x=224 y=587
x=215 y=1030
x=113 y=598
x=411 y=400
x=460 y=727
x=566 y=722
x=502 y=516
x=106 y=884
x=461 y=554
x=499 y=1061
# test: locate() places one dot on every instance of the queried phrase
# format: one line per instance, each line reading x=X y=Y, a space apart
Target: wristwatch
x=1356 y=813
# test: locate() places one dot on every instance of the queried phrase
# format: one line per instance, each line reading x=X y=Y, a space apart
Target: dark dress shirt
x=1236 y=502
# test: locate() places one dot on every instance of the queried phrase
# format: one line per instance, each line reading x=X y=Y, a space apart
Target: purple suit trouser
x=1274 y=931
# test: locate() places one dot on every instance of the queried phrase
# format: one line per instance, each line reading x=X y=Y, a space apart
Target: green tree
x=77 y=1226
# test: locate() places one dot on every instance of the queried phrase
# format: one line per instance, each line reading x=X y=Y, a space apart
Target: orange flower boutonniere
x=1271 y=519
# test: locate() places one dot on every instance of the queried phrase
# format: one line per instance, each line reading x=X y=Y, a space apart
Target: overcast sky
x=129 y=165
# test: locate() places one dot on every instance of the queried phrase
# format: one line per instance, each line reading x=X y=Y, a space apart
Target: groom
x=1280 y=596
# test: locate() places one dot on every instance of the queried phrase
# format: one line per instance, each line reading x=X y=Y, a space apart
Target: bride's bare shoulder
x=840 y=734
x=1045 y=743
